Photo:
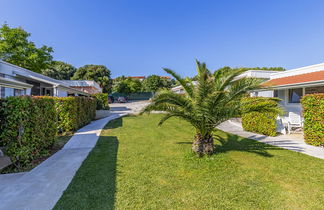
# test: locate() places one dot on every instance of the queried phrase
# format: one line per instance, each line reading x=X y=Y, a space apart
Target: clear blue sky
x=138 y=37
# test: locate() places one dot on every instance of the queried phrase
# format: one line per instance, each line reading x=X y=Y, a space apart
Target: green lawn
x=137 y=165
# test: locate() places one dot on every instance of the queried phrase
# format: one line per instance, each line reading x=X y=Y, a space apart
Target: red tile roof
x=301 y=78
x=165 y=77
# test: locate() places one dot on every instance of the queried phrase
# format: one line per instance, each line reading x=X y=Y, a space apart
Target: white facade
x=291 y=93
x=15 y=81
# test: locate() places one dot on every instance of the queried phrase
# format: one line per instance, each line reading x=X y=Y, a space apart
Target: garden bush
x=74 y=112
x=28 y=127
x=313 y=112
x=262 y=122
x=102 y=101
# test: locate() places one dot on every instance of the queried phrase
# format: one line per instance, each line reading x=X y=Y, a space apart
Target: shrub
x=29 y=124
x=262 y=122
x=313 y=112
x=102 y=101
x=74 y=112
x=28 y=128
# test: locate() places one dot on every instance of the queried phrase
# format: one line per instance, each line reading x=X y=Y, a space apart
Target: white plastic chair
x=280 y=126
x=294 y=121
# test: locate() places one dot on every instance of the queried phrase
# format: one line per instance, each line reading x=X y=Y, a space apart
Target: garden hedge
x=313 y=112
x=74 y=112
x=29 y=124
x=262 y=122
x=102 y=101
x=28 y=127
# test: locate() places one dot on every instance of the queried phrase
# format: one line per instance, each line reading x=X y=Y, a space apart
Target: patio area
x=294 y=141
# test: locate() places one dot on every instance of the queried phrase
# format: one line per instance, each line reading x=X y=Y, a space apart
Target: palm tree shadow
x=235 y=143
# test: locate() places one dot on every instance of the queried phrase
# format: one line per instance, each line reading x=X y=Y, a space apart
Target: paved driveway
x=132 y=107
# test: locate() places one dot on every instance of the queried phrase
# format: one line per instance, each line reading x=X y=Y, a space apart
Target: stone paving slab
x=5 y=179
x=290 y=142
x=42 y=187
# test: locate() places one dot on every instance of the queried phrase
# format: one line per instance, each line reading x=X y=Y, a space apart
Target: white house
x=87 y=86
x=289 y=85
x=16 y=81
x=179 y=89
x=292 y=84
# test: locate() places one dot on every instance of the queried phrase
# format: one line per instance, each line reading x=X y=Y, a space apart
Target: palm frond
x=188 y=87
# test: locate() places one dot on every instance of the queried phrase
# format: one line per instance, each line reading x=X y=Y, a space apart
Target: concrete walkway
x=42 y=187
x=290 y=142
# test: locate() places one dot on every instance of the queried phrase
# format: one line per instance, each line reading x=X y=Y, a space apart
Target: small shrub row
x=29 y=124
x=262 y=122
x=102 y=101
x=313 y=112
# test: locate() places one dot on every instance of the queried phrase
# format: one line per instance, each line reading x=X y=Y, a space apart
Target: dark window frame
x=298 y=92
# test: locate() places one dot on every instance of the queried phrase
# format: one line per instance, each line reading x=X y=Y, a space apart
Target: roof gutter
x=73 y=90
x=10 y=83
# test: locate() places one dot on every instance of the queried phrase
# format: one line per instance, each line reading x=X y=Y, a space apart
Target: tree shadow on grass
x=235 y=143
x=115 y=123
x=94 y=185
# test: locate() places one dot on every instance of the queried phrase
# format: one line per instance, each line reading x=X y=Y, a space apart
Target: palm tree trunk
x=203 y=145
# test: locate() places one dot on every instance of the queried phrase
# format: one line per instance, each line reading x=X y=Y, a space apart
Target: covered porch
x=292 y=121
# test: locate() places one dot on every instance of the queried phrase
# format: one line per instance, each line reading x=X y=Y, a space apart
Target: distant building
x=165 y=77
x=87 y=86
x=141 y=78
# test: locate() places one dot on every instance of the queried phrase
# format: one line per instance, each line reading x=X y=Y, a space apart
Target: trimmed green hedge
x=102 y=101
x=28 y=128
x=29 y=124
x=313 y=112
x=262 y=122
x=74 y=112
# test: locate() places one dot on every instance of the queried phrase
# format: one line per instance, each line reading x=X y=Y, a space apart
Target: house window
x=295 y=95
x=275 y=93
x=311 y=90
x=19 y=92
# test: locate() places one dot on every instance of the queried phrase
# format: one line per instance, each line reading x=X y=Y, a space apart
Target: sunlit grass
x=138 y=165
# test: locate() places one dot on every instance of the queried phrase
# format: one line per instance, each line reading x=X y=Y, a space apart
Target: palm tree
x=214 y=99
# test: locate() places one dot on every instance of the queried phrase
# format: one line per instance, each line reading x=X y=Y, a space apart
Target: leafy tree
x=152 y=83
x=15 y=48
x=97 y=73
x=215 y=99
x=135 y=85
x=126 y=85
x=195 y=78
x=121 y=87
x=255 y=68
x=59 y=70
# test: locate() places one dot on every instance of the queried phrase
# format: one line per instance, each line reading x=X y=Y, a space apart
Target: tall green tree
x=152 y=83
x=215 y=99
x=126 y=85
x=59 y=70
x=15 y=48
x=98 y=73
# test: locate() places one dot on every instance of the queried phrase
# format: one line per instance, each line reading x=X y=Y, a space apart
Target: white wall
x=60 y=93
x=9 y=92
x=267 y=93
